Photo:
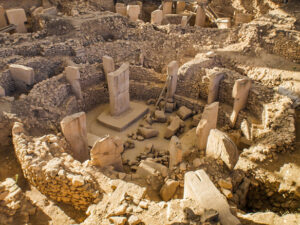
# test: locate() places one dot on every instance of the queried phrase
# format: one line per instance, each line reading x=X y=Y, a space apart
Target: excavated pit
x=38 y=156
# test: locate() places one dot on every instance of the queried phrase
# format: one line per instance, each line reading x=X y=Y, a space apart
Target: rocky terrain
x=149 y=112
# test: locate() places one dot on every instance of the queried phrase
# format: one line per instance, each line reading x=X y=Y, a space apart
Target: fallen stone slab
x=198 y=186
x=219 y=145
x=184 y=112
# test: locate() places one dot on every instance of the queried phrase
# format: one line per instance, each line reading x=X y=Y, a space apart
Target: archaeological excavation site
x=150 y=112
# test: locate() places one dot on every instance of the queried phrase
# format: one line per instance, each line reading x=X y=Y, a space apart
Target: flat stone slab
x=121 y=122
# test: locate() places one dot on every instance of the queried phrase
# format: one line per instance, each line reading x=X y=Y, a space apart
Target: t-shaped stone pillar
x=118 y=86
x=200 y=16
x=175 y=150
x=213 y=86
x=157 y=17
x=208 y=121
x=133 y=12
x=22 y=73
x=180 y=6
x=167 y=7
x=73 y=76
x=240 y=93
x=172 y=73
x=108 y=64
x=121 y=9
x=184 y=21
x=18 y=18
x=74 y=130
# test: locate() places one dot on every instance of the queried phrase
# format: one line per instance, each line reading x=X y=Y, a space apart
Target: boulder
x=160 y=116
x=174 y=126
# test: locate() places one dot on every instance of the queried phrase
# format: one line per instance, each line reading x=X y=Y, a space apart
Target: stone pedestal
x=121 y=9
x=107 y=152
x=172 y=73
x=167 y=7
x=240 y=94
x=157 y=17
x=75 y=132
x=73 y=76
x=208 y=121
x=133 y=12
x=3 y=22
x=213 y=87
x=180 y=7
x=175 y=150
x=198 y=187
x=18 y=18
x=108 y=64
x=200 y=17
x=22 y=73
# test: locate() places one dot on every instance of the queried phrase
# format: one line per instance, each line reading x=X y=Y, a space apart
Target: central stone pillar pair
x=122 y=112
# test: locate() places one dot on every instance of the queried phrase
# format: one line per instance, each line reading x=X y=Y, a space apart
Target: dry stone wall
x=55 y=173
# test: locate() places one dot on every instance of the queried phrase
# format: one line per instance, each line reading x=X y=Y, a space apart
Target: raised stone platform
x=121 y=122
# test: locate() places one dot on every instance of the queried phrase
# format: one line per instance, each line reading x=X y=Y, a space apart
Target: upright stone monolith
x=75 y=132
x=208 y=121
x=175 y=150
x=172 y=73
x=3 y=22
x=73 y=76
x=108 y=64
x=240 y=94
x=121 y=9
x=213 y=87
x=167 y=7
x=18 y=18
x=118 y=86
x=180 y=7
x=157 y=17
x=200 y=16
x=133 y=12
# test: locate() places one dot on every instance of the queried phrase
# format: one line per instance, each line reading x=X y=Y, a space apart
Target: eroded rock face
x=107 y=152
x=219 y=145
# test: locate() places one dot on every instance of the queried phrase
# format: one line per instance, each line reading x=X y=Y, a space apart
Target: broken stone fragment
x=147 y=132
x=50 y=11
x=245 y=128
x=107 y=152
x=168 y=189
x=118 y=220
x=199 y=187
x=219 y=145
x=133 y=220
x=184 y=112
x=160 y=116
x=225 y=184
x=174 y=126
